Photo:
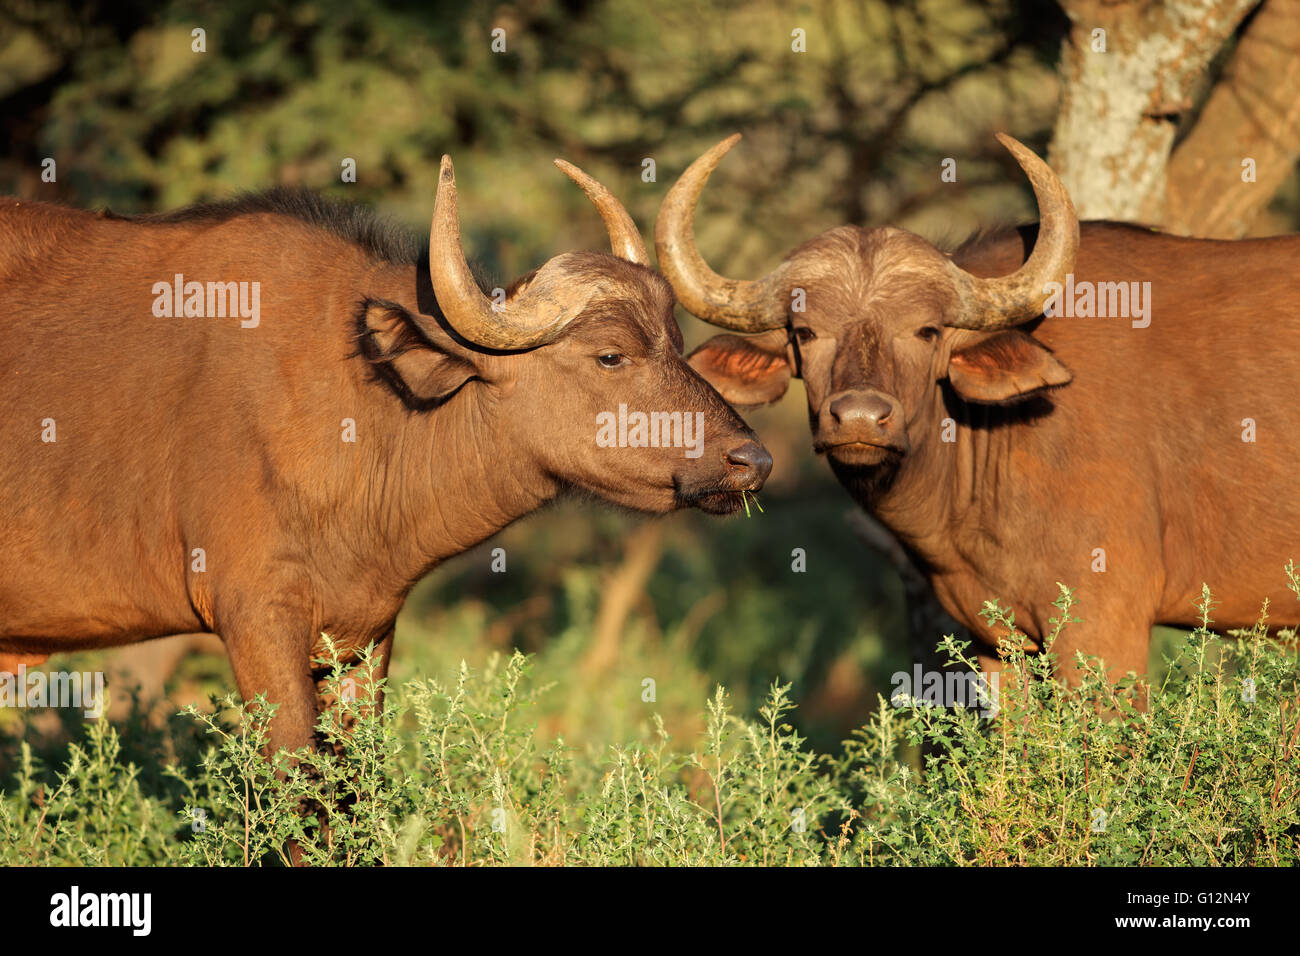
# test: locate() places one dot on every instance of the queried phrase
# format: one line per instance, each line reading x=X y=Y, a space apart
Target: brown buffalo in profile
x=1131 y=456
x=349 y=413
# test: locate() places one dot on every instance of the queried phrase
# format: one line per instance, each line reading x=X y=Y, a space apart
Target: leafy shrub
x=1202 y=769
x=1205 y=773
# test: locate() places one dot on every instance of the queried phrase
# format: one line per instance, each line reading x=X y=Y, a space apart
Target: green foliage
x=93 y=811
x=1199 y=771
x=1202 y=769
x=852 y=130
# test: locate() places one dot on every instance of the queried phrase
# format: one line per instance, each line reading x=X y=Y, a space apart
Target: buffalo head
x=576 y=370
x=873 y=321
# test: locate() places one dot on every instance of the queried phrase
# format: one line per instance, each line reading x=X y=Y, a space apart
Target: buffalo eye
x=927 y=333
x=803 y=335
x=611 y=360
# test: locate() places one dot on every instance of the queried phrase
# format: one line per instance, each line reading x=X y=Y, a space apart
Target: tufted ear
x=747 y=370
x=425 y=368
x=1003 y=368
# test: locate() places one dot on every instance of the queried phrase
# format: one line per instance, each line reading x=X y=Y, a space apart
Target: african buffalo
x=1131 y=456
x=267 y=418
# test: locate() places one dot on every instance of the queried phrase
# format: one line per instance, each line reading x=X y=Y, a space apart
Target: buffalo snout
x=719 y=485
x=750 y=464
x=861 y=427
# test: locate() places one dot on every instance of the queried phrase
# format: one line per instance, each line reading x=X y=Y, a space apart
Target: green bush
x=1204 y=772
x=1202 y=769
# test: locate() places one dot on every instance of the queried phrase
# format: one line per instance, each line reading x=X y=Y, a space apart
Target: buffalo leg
x=367 y=686
x=272 y=656
x=276 y=661
x=1116 y=629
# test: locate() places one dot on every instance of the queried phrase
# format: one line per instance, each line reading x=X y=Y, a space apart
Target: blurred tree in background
x=852 y=130
x=849 y=108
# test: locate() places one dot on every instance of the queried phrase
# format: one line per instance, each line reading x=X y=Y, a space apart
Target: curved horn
x=990 y=304
x=624 y=238
x=743 y=306
x=536 y=317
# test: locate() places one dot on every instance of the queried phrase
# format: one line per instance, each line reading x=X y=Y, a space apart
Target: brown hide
x=199 y=480
x=1123 y=439
x=1141 y=454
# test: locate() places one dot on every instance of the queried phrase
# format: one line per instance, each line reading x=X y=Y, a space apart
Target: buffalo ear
x=747 y=370
x=1004 y=368
x=424 y=372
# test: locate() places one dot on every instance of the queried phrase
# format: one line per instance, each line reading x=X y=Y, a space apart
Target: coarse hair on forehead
x=632 y=294
x=852 y=266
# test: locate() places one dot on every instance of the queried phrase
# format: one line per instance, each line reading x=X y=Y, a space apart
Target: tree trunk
x=1122 y=91
x=1252 y=114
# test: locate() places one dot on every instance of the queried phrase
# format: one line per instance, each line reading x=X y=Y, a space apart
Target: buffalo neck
x=444 y=481
x=437 y=482
x=940 y=490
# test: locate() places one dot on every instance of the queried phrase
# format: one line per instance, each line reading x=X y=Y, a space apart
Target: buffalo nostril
x=753 y=457
x=856 y=407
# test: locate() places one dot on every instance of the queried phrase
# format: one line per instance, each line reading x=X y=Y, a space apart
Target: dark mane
x=382 y=238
